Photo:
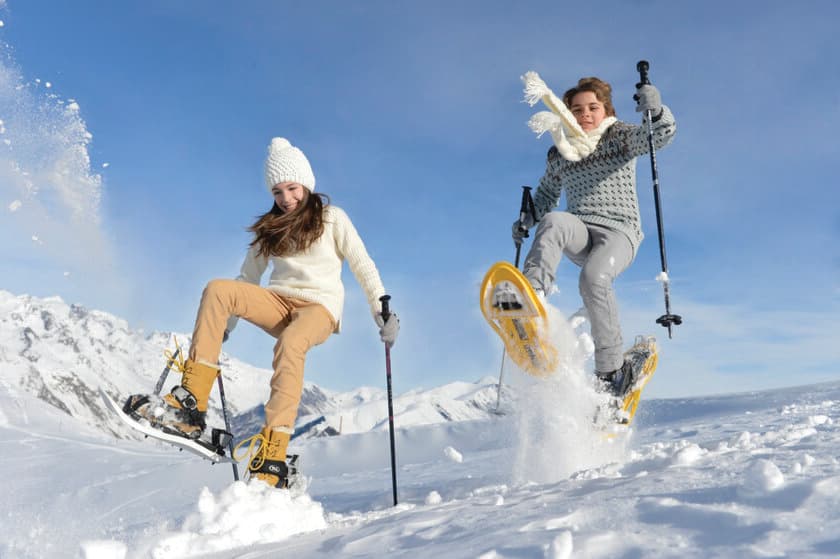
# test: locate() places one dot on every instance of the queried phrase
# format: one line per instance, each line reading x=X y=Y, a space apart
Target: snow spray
x=49 y=196
x=243 y=514
x=555 y=420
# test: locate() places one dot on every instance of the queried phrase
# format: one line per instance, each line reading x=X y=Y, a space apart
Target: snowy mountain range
x=746 y=475
x=62 y=353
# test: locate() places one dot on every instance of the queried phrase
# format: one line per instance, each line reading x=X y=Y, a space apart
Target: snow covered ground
x=741 y=475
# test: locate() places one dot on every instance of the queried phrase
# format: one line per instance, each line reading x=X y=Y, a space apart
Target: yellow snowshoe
x=519 y=319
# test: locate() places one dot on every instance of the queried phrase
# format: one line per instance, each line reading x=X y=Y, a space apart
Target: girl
x=594 y=159
x=306 y=240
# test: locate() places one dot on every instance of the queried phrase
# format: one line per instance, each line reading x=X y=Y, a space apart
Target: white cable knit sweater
x=315 y=274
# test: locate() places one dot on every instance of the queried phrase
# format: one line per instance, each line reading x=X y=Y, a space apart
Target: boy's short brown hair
x=601 y=89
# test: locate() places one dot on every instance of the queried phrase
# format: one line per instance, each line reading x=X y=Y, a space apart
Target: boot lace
x=176 y=359
x=256 y=451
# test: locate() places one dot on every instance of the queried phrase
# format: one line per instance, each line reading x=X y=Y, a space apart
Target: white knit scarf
x=570 y=139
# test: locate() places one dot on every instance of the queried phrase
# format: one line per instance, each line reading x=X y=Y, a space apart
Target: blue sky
x=411 y=114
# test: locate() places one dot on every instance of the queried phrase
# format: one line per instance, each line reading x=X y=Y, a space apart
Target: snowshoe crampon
x=520 y=321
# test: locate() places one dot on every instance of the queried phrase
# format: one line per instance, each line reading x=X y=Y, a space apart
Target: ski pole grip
x=642 y=67
x=524 y=209
x=386 y=312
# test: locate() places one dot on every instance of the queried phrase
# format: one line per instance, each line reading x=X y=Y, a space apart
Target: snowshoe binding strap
x=220 y=438
x=189 y=406
x=606 y=381
x=134 y=402
x=184 y=397
x=291 y=463
x=618 y=382
x=274 y=467
x=624 y=379
x=506 y=297
x=253 y=449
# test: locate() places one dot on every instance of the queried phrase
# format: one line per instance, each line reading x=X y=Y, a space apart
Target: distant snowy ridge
x=366 y=409
x=62 y=353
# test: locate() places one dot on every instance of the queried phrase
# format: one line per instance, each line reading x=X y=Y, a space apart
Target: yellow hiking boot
x=182 y=411
x=268 y=461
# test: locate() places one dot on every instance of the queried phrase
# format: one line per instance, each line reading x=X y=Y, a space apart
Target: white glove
x=389 y=329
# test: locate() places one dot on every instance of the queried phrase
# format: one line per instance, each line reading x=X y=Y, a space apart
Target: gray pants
x=602 y=253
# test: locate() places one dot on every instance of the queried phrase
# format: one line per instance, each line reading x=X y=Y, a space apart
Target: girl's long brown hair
x=277 y=233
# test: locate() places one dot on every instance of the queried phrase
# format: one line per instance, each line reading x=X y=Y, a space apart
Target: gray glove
x=648 y=99
x=521 y=227
x=388 y=330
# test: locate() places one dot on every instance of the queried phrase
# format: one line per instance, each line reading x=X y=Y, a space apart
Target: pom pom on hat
x=286 y=163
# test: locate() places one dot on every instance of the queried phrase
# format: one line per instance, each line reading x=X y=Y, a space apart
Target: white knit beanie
x=286 y=163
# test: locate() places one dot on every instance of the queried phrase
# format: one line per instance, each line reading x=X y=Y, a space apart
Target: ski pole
x=227 y=425
x=165 y=373
x=225 y=415
x=386 y=312
x=668 y=318
x=526 y=206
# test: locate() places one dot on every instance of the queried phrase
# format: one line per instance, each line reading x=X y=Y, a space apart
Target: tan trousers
x=298 y=325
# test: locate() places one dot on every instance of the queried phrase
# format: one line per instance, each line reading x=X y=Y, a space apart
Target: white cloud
x=722 y=348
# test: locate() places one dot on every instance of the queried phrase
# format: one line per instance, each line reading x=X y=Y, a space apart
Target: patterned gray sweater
x=601 y=188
